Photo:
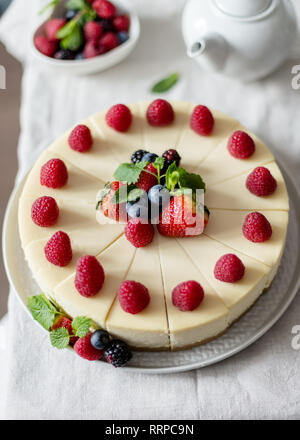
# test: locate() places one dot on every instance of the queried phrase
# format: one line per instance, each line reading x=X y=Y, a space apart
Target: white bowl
x=100 y=62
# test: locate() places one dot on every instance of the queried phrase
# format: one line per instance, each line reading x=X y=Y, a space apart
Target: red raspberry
x=109 y=40
x=92 y=30
x=52 y=27
x=133 y=297
x=54 y=174
x=80 y=138
x=139 y=234
x=44 y=211
x=45 y=46
x=119 y=117
x=58 y=250
x=146 y=180
x=93 y=49
x=241 y=145
x=89 y=276
x=104 y=8
x=202 y=120
x=257 y=228
x=261 y=182
x=187 y=296
x=229 y=268
x=122 y=23
x=66 y=323
x=160 y=113
x=84 y=349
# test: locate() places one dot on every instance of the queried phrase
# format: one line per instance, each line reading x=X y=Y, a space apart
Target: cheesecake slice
x=239 y=296
x=115 y=261
x=209 y=319
x=233 y=194
x=149 y=328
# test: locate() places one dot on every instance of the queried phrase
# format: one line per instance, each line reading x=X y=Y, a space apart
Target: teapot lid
x=243 y=8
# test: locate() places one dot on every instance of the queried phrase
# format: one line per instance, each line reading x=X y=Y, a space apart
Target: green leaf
x=172 y=176
x=42 y=310
x=129 y=172
x=86 y=17
x=159 y=163
x=50 y=5
x=81 y=326
x=165 y=84
x=60 y=338
x=76 y=4
x=67 y=29
x=102 y=193
x=135 y=194
x=74 y=40
x=192 y=181
x=122 y=195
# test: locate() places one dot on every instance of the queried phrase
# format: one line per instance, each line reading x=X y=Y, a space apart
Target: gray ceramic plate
x=247 y=330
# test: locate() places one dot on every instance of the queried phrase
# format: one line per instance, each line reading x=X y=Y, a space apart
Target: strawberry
x=182 y=218
x=146 y=180
x=112 y=210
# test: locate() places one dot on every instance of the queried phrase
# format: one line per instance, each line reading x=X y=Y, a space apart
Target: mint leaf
x=165 y=84
x=50 y=5
x=42 y=310
x=192 y=181
x=73 y=40
x=67 y=29
x=89 y=15
x=76 y=4
x=159 y=163
x=135 y=194
x=81 y=326
x=122 y=194
x=60 y=338
x=129 y=172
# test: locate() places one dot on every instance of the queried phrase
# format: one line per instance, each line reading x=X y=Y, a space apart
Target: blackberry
x=171 y=156
x=106 y=24
x=138 y=155
x=149 y=157
x=64 y=54
x=117 y=353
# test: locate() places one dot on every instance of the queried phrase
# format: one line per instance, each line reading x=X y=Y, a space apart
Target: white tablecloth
x=43 y=383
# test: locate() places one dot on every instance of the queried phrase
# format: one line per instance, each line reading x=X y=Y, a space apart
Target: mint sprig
x=50 y=5
x=81 y=326
x=60 y=338
x=165 y=84
x=179 y=177
x=42 y=310
x=129 y=172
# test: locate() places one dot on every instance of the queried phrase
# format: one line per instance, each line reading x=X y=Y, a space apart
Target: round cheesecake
x=166 y=262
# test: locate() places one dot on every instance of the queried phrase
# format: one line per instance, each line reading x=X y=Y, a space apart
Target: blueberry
x=100 y=339
x=138 y=208
x=159 y=195
x=70 y=14
x=122 y=37
x=79 y=56
x=149 y=157
x=64 y=54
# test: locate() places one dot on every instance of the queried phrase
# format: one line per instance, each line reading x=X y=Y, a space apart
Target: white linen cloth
x=262 y=382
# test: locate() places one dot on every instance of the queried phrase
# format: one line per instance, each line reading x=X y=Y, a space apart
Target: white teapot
x=244 y=39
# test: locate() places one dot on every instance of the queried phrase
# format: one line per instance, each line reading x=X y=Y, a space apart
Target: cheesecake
x=166 y=261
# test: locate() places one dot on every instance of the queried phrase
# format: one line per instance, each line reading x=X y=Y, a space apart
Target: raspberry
x=92 y=30
x=139 y=234
x=133 y=297
x=160 y=113
x=54 y=174
x=187 y=296
x=122 y=23
x=241 y=145
x=119 y=117
x=80 y=139
x=52 y=27
x=89 y=276
x=45 y=46
x=58 y=250
x=261 y=182
x=44 y=211
x=66 y=323
x=93 y=49
x=202 y=120
x=171 y=156
x=104 y=8
x=138 y=155
x=117 y=353
x=257 y=228
x=229 y=268
x=84 y=349
x=109 y=40
x=146 y=180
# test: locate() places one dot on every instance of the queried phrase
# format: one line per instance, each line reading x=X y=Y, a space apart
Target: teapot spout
x=210 y=50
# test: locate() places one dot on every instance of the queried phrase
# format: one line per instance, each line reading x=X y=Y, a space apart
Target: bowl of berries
x=86 y=36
